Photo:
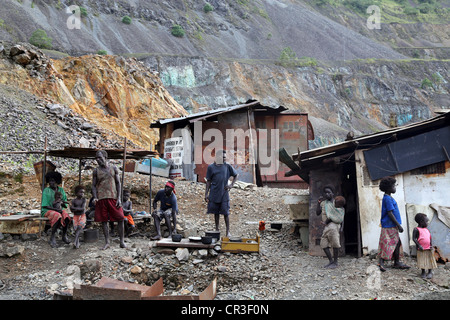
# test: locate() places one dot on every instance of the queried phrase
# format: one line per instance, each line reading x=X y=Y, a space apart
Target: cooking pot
x=206 y=239
x=235 y=239
x=90 y=235
x=176 y=237
x=276 y=226
x=213 y=234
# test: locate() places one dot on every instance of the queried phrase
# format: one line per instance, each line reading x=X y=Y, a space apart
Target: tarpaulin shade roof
x=89 y=153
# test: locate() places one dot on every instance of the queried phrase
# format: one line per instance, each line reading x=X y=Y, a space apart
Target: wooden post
x=79 y=172
x=150 y=185
x=123 y=167
x=44 y=166
x=251 y=147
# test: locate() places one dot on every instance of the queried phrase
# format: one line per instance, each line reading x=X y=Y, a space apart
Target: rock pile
x=29 y=57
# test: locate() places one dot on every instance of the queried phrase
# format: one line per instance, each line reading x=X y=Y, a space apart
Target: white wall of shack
x=370 y=198
x=422 y=189
x=426 y=189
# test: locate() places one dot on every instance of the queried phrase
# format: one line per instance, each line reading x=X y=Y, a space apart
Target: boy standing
x=79 y=217
x=333 y=217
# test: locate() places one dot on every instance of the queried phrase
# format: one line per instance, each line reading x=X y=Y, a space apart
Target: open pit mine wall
x=363 y=96
x=115 y=93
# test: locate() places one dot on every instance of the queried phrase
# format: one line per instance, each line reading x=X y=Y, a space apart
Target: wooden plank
x=17 y=217
x=184 y=243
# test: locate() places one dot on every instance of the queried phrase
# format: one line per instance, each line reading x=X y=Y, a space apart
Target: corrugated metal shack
x=294 y=132
x=417 y=155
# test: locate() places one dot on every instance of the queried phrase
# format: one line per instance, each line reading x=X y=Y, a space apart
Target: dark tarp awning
x=89 y=153
x=408 y=154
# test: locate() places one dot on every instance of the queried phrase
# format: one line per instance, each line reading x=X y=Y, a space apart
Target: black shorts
x=219 y=208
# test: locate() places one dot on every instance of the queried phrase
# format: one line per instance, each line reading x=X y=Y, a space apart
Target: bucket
x=90 y=235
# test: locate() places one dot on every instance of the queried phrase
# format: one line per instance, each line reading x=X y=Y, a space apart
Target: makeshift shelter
x=417 y=155
x=251 y=133
x=25 y=223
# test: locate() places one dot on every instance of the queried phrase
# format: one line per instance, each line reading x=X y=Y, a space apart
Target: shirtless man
x=107 y=197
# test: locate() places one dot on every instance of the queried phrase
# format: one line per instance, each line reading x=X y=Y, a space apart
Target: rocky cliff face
x=116 y=94
x=362 y=96
x=227 y=56
x=233 y=29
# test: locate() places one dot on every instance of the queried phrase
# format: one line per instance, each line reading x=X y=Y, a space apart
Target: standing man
x=217 y=176
x=107 y=197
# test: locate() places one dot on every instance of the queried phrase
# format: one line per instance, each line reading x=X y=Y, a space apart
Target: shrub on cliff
x=208 y=8
x=126 y=20
x=40 y=39
x=178 y=31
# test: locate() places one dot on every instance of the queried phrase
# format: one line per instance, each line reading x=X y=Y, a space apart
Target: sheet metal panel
x=293 y=136
x=408 y=154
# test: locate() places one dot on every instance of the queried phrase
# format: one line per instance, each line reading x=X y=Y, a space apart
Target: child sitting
x=57 y=205
x=422 y=239
x=79 y=216
x=127 y=207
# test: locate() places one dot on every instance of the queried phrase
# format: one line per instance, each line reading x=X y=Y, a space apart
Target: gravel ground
x=282 y=270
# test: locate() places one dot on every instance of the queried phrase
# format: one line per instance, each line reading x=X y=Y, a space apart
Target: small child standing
x=79 y=216
x=422 y=239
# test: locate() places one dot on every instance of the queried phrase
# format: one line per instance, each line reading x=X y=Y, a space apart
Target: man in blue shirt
x=217 y=189
x=168 y=209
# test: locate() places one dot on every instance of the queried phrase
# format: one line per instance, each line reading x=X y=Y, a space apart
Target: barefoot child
x=390 y=245
x=79 y=216
x=422 y=239
x=333 y=217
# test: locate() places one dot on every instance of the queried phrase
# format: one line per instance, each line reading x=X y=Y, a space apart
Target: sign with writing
x=173 y=149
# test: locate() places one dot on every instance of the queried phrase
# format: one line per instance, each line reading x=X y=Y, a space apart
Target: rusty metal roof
x=212 y=113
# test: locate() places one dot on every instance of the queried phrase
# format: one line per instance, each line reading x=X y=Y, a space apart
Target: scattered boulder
x=182 y=254
x=11 y=249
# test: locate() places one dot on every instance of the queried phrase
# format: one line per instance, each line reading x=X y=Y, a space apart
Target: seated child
x=79 y=216
x=422 y=239
x=127 y=207
x=57 y=205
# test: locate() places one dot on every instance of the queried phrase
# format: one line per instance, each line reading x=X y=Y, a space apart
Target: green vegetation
x=288 y=58
x=426 y=83
x=126 y=20
x=40 y=39
x=178 y=31
x=83 y=12
x=102 y=52
x=208 y=8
